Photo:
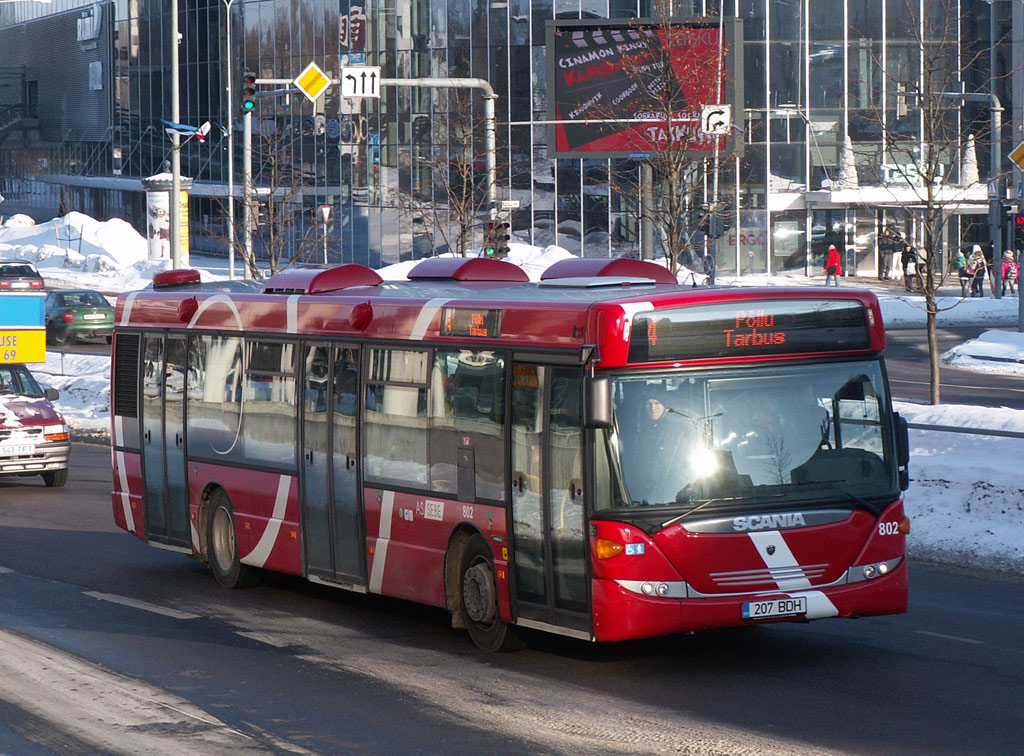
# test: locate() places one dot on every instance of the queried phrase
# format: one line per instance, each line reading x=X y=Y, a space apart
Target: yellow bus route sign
x=22 y=345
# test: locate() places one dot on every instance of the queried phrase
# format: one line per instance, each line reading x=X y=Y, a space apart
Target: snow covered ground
x=966 y=500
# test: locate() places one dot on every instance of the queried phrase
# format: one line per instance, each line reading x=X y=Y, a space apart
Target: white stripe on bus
x=775 y=553
x=819 y=605
x=258 y=556
x=292 y=314
x=214 y=300
x=426 y=317
x=122 y=479
x=380 y=549
x=126 y=313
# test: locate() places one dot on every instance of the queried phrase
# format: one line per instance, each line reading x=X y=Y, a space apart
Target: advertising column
x=158 y=216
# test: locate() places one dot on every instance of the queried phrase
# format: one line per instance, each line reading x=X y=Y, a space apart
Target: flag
x=184 y=130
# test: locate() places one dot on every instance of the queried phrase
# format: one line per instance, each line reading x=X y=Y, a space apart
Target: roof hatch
x=467 y=269
x=619 y=267
x=318 y=279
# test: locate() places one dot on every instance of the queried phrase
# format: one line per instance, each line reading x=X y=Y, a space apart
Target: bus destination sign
x=473 y=322
x=800 y=326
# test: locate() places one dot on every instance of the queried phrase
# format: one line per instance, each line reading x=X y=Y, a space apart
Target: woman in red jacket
x=833 y=266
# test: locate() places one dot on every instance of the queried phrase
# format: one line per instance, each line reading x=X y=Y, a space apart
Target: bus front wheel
x=222 y=544
x=479 y=592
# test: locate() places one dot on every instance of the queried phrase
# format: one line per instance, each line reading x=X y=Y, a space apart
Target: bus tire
x=222 y=544
x=478 y=591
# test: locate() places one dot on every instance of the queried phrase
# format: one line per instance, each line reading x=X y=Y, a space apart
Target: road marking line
x=125 y=601
x=950 y=637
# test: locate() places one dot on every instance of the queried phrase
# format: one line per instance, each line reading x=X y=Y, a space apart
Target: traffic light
x=496 y=236
x=715 y=226
x=1018 y=230
x=248 y=91
x=501 y=237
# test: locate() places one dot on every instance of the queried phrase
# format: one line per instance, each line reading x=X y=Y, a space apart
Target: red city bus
x=604 y=454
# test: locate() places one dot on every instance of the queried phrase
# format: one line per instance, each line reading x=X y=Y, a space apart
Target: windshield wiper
x=698 y=507
x=831 y=486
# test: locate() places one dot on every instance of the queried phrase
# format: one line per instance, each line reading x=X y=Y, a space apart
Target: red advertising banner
x=620 y=87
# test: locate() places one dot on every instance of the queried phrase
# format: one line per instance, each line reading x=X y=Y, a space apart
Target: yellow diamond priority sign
x=1017 y=155
x=312 y=82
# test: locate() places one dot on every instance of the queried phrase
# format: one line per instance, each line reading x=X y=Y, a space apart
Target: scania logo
x=768 y=522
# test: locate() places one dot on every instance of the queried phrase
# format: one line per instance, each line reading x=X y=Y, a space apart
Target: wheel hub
x=478 y=596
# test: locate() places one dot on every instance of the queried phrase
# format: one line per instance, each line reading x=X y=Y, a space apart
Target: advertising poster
x=619 y=78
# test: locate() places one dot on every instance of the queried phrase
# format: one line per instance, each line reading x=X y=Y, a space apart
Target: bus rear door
x=163 y=440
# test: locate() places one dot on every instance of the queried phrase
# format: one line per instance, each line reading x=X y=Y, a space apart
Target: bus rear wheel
x=479 y=592
x=222 y=544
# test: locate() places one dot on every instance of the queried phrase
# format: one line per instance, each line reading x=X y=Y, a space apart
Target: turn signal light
x=63 y=436
x=607 y=549
x=904 y=526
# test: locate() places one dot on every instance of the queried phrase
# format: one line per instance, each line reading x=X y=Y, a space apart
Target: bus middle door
x=331 y=506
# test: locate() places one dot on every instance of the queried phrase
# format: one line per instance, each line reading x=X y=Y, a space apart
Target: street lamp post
x=175 y=230
x=231 y=145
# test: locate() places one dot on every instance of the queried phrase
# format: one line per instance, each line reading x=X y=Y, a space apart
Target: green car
x=77 y=314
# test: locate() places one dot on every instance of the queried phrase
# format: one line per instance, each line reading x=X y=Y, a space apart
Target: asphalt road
x=103 y=636
x=906 y=357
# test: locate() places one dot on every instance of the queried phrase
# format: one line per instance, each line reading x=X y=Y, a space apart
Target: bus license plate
x=781 y=607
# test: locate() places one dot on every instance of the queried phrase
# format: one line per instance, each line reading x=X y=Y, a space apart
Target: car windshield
x=82 y=299
x=18 y=270
x=743 y=436
x=15 y=379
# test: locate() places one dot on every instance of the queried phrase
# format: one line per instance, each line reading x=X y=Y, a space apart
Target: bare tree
x=675 y=75
x=284 y=228
x=448 y=178
x=923 y=128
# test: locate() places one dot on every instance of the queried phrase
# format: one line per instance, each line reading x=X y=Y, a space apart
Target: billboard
x=618 y=87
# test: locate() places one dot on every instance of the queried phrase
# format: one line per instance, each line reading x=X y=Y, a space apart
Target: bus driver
x=655 y=451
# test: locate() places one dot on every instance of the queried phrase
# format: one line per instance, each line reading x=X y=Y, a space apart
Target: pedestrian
x=833 y=266
x=976 y=267
x=960 y=265
x=709 y=268
x=1011 y=272
x=890 y=246
x=910 y=272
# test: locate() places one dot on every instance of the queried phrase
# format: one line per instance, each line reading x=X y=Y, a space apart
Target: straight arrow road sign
x=360 y=81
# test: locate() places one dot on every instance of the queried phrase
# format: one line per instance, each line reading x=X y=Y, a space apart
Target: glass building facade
x=823 y=80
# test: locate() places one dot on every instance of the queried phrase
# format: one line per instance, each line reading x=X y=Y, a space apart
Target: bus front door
x=163 y=441
x=550 y=545
x=331 y=506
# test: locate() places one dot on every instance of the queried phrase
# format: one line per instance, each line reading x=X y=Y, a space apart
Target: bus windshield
x=729 y=437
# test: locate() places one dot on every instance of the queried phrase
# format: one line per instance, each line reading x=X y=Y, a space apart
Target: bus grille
x=772 y=575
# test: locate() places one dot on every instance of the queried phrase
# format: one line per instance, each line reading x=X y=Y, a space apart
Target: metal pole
x=247 y=222
x=231 y=147
x=490 y=140
x=175 y=203
x=995 y=209
x=646 y=210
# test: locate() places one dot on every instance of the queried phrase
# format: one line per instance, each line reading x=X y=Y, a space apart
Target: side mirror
x=599 y=402
x=52 y=394
x=902 y=451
